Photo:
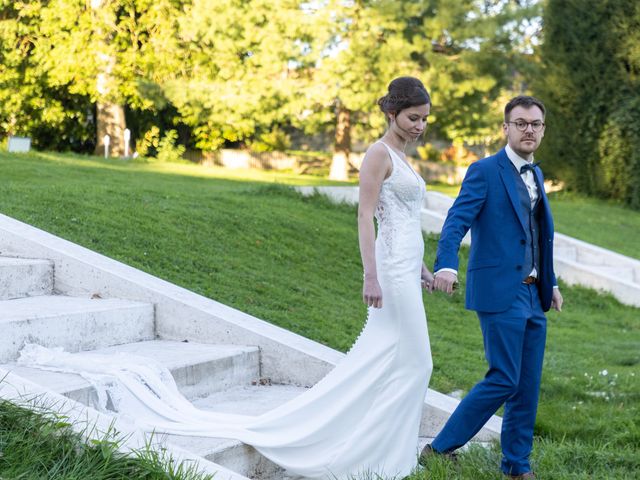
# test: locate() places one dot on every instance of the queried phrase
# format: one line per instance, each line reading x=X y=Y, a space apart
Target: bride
x=363 y=417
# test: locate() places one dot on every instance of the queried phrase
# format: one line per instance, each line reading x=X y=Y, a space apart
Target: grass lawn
x=37 y=444
x=603 y=223
x=294 y=261
x=450 y=190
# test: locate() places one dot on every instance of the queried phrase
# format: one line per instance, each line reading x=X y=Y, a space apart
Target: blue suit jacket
x=488 y=204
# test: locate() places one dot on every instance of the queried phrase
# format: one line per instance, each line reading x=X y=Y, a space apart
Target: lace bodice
x=400 y=202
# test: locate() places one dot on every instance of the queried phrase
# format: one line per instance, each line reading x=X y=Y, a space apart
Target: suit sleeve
x=540 y=180
x=461 y=215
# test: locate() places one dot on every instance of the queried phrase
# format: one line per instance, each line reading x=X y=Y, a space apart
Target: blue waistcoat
x=532 y=227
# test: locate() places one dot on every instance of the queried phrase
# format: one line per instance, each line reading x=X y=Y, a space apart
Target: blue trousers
x=514 y=343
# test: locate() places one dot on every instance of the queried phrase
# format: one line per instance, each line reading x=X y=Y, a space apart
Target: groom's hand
x=556 y=300
x=445 y=282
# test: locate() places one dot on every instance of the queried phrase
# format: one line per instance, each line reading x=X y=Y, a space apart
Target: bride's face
x=411 y=122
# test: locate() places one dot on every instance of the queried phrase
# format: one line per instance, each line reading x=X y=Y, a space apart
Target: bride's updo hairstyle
x=403 y=92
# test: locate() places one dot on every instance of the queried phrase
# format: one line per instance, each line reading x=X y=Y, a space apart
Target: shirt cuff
x=556 y=286
x=450 y=270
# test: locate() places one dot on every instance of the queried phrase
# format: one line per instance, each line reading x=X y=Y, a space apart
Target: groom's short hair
x=523 y=101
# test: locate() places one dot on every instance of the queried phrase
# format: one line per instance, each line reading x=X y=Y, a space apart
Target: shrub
x=168 y=151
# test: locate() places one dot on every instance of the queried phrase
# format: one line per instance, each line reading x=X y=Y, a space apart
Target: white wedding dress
x=361 y=419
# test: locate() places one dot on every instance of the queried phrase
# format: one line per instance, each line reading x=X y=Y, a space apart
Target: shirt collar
x=516 y=159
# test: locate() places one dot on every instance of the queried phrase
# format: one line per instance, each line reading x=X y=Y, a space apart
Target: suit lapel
x=509 y=181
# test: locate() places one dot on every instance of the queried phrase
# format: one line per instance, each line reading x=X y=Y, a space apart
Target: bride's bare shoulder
x=377 y=156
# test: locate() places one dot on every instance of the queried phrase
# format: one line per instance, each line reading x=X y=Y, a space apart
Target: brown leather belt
x=529 y=280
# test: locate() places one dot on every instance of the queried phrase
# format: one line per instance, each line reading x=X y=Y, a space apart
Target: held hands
x=427 y=279
x=445 y=282
x=371 y=292
x=556 y=300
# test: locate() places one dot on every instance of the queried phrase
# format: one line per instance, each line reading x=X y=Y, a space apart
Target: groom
x=510 y=284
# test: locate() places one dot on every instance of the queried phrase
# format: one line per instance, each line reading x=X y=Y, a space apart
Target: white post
x=127 y=137
x=106 y=139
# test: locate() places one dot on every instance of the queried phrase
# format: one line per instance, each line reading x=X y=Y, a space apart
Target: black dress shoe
x=429 y=452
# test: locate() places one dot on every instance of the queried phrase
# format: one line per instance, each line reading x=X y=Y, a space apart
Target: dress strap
x=392 y=154
x=396 y=158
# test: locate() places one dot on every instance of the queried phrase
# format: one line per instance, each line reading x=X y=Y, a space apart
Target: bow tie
x=528 y=166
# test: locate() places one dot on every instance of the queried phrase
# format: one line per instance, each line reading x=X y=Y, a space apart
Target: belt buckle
x=529 y=280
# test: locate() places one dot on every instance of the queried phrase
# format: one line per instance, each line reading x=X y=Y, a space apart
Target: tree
x=111 y=52
x=236 y=71
x=465 y=51
x=30 y=103
x=247 y=62
x=590 y=84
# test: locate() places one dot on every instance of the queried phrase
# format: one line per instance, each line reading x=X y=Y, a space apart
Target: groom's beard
x=529 y=147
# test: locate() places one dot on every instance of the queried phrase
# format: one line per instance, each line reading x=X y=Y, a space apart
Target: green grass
x=603 y=223
x=450 y=190
x=36 y=444
x=293 y=261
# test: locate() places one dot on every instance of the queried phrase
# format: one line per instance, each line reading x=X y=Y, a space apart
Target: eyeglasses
x=521 y=125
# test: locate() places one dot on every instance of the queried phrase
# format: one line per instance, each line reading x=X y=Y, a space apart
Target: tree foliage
x=32 y=101
x=467 y=52
x=591 y=85
x=247 y=63
x=238 y=71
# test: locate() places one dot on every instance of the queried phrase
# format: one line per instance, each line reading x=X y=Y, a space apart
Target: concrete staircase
x=218 y=377
x=581 y=263
x=59 y=294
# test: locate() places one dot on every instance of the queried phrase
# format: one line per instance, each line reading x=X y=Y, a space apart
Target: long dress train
x=362 y=418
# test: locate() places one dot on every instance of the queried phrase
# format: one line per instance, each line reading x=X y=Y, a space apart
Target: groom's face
x=524 y=142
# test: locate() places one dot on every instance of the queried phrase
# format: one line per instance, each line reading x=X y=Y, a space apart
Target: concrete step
x=438 y=202
x=625 y=274
x=567 y=252
x=588 y=256
x=72 y=323
x=249 y=399
x=216 y=377
x=232 y=454
x=594 y=277
x=23 y=277
x=198 y=369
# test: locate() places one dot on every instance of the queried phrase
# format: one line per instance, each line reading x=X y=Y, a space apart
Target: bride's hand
x=427 y=279
x=371 y=292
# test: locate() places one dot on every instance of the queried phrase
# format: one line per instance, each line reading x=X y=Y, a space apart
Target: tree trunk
x=110 y=121
x=340 y=162
x=109 y=115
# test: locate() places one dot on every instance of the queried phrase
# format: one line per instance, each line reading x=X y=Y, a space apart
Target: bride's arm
x=376 y=166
